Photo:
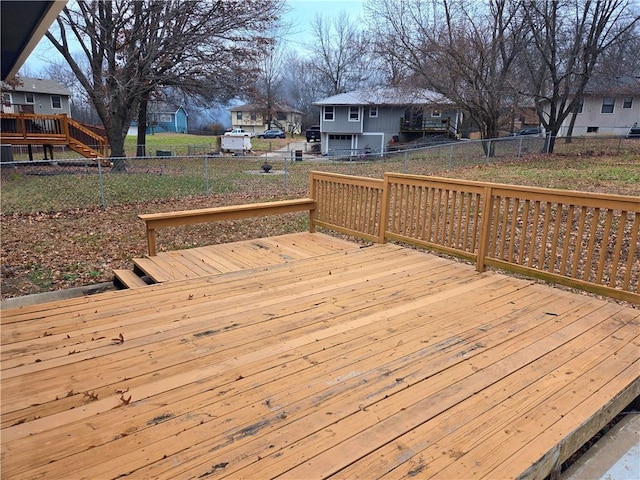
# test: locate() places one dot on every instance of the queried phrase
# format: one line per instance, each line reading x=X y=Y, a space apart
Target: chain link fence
x=72 y=183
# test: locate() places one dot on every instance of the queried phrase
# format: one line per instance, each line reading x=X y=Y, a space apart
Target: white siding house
x=608 y=110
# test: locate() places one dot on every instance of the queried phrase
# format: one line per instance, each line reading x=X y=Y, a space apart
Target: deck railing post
x=313 y=193
x=151 y=240
x=384 y=210
x=486 y=218
x=65 y=127
x=22 y=127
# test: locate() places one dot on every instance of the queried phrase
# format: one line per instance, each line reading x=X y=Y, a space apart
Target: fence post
x=286 y=176
x=103 y=200
x=451 y=157
x=206 y=173
x=406 y=158
x=485 y=228
x=520 y=147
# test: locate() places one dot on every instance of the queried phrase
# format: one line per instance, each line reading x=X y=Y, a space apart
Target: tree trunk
x=118 y=155
x=142 y=129
x=571 y=125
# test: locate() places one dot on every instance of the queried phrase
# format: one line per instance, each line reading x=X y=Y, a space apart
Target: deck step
x=128 y=279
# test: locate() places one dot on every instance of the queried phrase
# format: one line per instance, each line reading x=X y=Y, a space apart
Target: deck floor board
x=310 y=358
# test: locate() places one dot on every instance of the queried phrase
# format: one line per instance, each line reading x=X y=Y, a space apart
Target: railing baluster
x=529 y=230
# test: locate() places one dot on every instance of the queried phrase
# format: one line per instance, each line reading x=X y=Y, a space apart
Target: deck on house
x=366 y=362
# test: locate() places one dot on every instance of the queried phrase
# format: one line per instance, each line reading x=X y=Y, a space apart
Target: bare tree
x=339 y=49
x=132 y=47
x=463 y=50
x=301 y=87
x=567 y=39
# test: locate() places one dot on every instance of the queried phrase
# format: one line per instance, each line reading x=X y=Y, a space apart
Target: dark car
x=529 y=131
x=634 y=132
x=273 y=133
x=313 y=133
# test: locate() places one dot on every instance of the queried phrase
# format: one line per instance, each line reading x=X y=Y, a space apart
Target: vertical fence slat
x=605 y=241
x=567 y=237
x=556 y=235
x=616 y=254
x=577 y=252
x=592 y=240
x=632 y=251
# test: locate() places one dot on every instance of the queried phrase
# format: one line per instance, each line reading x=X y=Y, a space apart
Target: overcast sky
x=300 y=14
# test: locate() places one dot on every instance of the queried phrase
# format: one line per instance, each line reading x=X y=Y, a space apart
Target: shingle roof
x=38 y=85
x=624 y=85
x=386 y=96
x=256 y=107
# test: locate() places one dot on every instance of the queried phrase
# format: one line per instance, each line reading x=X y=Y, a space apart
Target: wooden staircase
x=33 y=129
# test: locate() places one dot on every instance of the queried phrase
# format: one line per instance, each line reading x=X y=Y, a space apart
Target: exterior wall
x=250 y=121
x=254 y=122
x=373 y=133
x=593 y=122
x=42 y=103
x=180 y=124
x=370 y=132
x=340 y=123
x=164 y=122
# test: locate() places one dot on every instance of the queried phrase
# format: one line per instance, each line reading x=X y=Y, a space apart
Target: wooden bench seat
x=155 y=221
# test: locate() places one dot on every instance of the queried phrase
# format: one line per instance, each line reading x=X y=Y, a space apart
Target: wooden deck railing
x=155 y=221
x=348 y=204
x=30 y=129
x=583 y=240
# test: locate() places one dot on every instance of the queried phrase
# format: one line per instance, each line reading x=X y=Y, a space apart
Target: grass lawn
x=56 y=235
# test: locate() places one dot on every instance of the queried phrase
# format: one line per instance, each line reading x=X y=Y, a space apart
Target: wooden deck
x=231 y=257
x=369 y=362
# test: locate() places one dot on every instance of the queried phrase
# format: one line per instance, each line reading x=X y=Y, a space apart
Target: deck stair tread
x=128 y=279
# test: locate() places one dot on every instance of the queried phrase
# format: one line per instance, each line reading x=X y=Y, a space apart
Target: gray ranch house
x=36 y=95
x=373 y=120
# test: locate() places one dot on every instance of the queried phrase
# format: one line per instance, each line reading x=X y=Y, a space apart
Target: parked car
x=529 y=131
x=634 y=132
x=239 y=132
x=313 y=133
x=273 y=133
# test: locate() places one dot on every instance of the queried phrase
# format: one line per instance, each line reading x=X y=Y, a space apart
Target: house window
x=253 y=116
x=29 y=98
x=436 y=113
x=6 y=99
x=339 y=137
x=165 y=118
x=592 y=129
x=373 y=112
x=627 y=102
x=580 y=106
x=238 y=115
x=328 y=114
x=354 y=114
x=608 y=103
x=56 y=102
x=282 y=116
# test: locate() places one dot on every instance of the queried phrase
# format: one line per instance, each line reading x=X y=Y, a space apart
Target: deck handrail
x=154 y=221
x=583 y=240
x=54 y=129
